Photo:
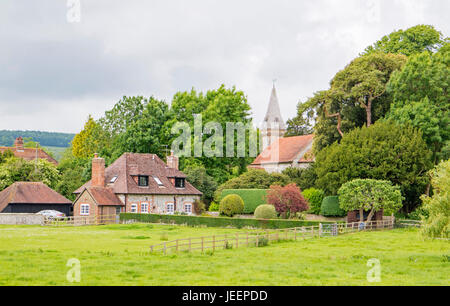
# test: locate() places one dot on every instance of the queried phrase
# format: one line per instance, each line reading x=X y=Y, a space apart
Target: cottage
x=278 y=152
x=28 y=153
x=32 y=197
x=136 y=183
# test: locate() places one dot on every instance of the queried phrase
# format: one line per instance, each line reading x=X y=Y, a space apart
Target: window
x=158 y=181
x=118 y=210
x=113 y=179
x=144 y=208
x=170 y=208
x=143 y=180
x=179 y=182
x=134 y=208
x=188 y=208
x=84 y=209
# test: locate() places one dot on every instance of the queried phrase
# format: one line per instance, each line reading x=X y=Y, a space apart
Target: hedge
x=217 y=221
x=252 y=197
x=330 y=207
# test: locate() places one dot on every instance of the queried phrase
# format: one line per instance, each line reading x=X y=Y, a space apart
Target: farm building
x=28 y=153
x=32 y=197
x=137 y=183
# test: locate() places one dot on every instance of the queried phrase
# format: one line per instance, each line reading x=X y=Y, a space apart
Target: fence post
x=295 y=234
x=214 y=243
x=247 y=239
x=165 y=248
x=237 y=240
x=257 y=239
x=177 y=245
x=190 y=247
x=203 y=239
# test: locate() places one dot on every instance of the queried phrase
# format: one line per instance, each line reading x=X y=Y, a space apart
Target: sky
x=61 y=60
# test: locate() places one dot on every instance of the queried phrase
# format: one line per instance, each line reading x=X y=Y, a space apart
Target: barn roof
x=29 y=154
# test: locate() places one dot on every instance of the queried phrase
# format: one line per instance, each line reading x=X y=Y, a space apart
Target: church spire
x=273 y=115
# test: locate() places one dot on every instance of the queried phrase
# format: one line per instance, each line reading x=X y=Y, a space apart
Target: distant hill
x=45 y=139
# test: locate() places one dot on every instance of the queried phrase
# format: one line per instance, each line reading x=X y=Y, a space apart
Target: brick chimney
x=98 y=171
x=172 y=161
x=18 y=143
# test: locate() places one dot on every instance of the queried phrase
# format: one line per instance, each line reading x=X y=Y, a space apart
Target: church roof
x=273 y=115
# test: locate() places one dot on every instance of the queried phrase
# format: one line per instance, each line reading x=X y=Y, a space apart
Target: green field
x=119 y=255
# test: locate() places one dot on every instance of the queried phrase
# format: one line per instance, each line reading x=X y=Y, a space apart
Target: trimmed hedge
x=252 y=197
x=265 y=211
x=330 y=207
x=231 y=205
x=314 y=197
x=218 y=221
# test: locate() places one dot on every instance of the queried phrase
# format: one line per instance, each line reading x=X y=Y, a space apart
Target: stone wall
x=19 y=219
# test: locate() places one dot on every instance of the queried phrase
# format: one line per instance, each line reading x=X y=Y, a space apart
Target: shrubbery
x=252 y=197
x=231 y=205
x=314 y=197
x=265 y=211
x=330 y=207
x=213 y=206
x=288 y=200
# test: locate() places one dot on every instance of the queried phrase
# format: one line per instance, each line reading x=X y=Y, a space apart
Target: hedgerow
x=252 y=198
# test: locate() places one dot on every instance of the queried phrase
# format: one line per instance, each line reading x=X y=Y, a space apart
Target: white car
x=51 y=214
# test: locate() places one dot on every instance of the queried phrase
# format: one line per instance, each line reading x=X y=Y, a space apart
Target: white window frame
x=190 y=208
x=83 y=209
x=146 y=205
x=134 y=208
x=172 y=210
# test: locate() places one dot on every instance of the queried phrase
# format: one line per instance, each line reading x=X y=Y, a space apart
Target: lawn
x=119 y=255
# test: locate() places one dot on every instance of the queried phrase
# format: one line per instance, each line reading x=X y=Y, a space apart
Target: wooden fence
x=82 y=220
x=259 y=238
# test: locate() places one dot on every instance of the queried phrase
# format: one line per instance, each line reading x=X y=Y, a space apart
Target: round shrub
x=213 y=206
x=330 y=207
x=314 y=197
x=265 y=211
x=231 y=205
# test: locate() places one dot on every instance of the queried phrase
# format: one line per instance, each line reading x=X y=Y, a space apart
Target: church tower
x=273 y=126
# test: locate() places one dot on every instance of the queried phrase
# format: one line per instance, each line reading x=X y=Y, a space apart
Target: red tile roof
x=104 y=196
x=30 y=193
x=133 y=164
x=287 y=150
x=29 y=153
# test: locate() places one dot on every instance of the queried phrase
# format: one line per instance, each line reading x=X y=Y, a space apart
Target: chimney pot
x=172 y=161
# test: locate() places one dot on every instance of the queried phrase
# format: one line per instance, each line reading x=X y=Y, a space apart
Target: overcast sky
x=55 y=71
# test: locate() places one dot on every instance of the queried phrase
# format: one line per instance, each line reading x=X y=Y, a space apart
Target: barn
x=32 y=197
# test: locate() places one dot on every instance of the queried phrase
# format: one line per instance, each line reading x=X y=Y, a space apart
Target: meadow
x=119 y=255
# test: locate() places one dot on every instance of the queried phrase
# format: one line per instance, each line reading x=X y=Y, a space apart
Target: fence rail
x=82 y=220
x=259 y=238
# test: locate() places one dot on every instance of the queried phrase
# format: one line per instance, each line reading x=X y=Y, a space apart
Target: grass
x=119 y=255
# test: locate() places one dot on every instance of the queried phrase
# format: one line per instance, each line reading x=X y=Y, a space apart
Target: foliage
x=303 y=123
x=384 y=151
x=253 y=179
x=420 y=97
x=314 y=197
x=252 y=197
x=213 y=206
x=330 y=207
x=89 y=141
x=198 y=177
x=45 y=139
x=438 y=205
x=370 y=195
x=408 y=42
x=19 y=170
x=218 y=221
x=231 y=205
x=287 y=200
x=199 y=207
x=265 y=211
x=304 y=178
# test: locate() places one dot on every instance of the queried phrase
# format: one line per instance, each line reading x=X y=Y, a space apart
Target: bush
x=231 y=205
x=330 y=207
x=287 y=200
x=314 y=197
x=252 y=198
x=265 y=211
x=218 y=221
x=213 y=206
x=199 y=207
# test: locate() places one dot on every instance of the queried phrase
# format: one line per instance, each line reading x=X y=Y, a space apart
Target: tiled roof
x=29 y=153
x=104 y=196
x=133 y=164
x=287 y=150
x=30 y=193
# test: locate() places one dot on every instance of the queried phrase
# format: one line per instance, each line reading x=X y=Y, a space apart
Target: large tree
x=383 y=151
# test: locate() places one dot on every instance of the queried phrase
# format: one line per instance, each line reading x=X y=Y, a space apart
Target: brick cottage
x=137 y=183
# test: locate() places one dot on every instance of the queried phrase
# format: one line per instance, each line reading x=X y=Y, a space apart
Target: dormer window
x=143 y=181
x=180 y=182
x=158 y=181
x=113 y=180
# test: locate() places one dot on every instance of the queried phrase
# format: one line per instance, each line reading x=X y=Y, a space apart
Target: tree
x=383 y=151
x=369 y=195
x=438 y=206
x=304 y=178
x=287 y=200
x=421 y=98
x=197 y=176
x=74 y=173
x=302 y=124
x=92 y=139
x=411 y=41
